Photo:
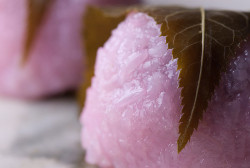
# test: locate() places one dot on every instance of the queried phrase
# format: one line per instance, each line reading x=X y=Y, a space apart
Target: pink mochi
x=56 y=60
x=133 y=107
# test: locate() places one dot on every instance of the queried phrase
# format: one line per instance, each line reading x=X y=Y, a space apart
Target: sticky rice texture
x=133 y=107
x=56 y=61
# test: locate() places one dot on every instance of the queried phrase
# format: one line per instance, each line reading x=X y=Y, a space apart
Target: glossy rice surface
x=133 y=107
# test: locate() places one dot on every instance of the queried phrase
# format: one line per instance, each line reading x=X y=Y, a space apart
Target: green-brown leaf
x=204 y=42
x=36 y=12
x=97 y=27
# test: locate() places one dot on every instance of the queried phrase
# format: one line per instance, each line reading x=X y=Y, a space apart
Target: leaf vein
x=201 y=67
x=182 y=31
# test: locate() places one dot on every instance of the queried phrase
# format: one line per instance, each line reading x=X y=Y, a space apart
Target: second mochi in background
x=56 y=59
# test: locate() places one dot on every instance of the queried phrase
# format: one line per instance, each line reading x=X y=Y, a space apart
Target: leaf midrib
x=200 y=73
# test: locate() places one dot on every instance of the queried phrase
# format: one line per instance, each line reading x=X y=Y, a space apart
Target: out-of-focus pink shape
x=56 y=60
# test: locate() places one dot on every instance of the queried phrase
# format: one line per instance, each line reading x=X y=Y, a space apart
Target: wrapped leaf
x=36 y=12
x=97 y=30
x=203 y=41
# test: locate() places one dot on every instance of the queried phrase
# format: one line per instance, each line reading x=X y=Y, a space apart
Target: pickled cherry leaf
x=203 y=42
x=37 y=10
x=97 y=28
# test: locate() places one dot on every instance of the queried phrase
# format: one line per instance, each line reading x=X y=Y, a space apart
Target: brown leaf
x=97 y=29
x=204 y=42
x=36 y=12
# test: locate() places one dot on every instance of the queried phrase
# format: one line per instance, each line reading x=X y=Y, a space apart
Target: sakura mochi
x=56 y=58
x=133 y=107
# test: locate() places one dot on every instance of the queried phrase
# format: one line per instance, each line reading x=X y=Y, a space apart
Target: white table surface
x=44 y=134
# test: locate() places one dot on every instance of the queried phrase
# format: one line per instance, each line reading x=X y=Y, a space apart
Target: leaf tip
x=181 y=143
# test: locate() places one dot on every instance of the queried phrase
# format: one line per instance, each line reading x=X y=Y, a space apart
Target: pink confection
x=56 y=60
x=133 y=107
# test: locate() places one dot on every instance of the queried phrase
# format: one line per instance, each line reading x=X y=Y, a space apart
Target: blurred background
x=243 y=5
x=46 y=133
